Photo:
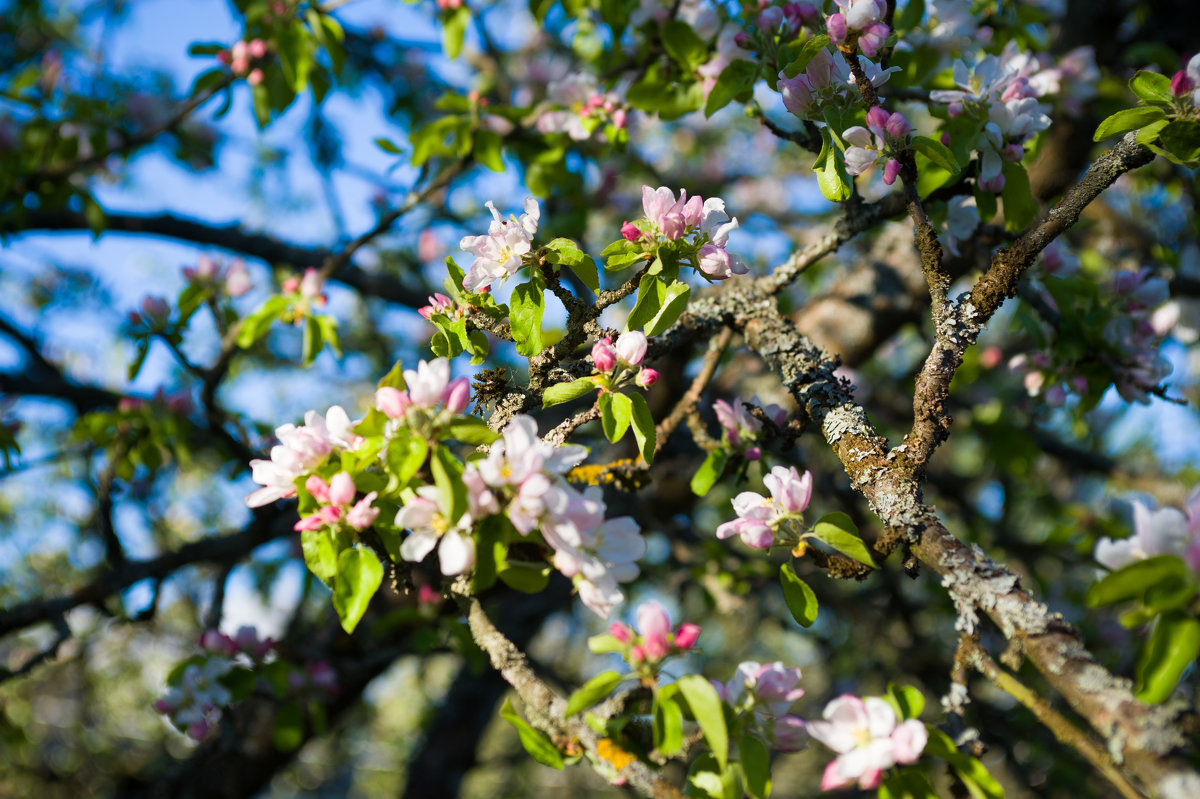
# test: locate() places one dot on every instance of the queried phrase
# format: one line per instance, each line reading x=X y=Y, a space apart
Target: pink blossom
x=318 y=488
x=631 y=347
x=871 y=40
x=655 y=629
x=891 y=170
x=429 y=527
x=341 y=489
x=791 y=491
x=837 y=28
x=457 y=395
x=500 y=253
x=604 y=355
x=312 y=284
x=868 y=740
x=237 y=279
x=621 y=632
x=646 y=378
x=630 y=231
x=427 y=383
x=392 y=402
x=686 y=636
x=363 y=515
x=664 y=211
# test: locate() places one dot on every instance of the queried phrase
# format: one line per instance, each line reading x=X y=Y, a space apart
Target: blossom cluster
x=868 y=738
x=826 y=81
x=859 y=22
x=501 y=252
x=885 y=135
x=760 y=519
x=1185 y=84
x=301 y=449
x=580 y=108
x=670 y=219
x=762 y=694
x=305 y=292
x=740 y=429
x=241 y=57
x=1162 y=531
x=233 y=280
x=623 y=359
x=653 y=641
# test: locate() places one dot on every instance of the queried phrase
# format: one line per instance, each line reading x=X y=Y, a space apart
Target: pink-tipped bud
x=835 y=26
x=393 y=402
x=686 y=635
x=312 y=283
x=743 y=40
x=631 y=347
x=341 y=489
x=897 y=127
x=646 y=378
x=994 y=184
x=255 y=77
x=313 y=522
x=155 y=309
x=870 y=41
x=891 y=170
x=990 y=357
x=290 y=286
x=224 y=57
x=428 y=595
x=426 y=311
x=1181 y=84
x=945 y=139
x=954 y=109
x=637 y=654
x=630 y=231
x=257 y=48
x=604 y=355
x=163 y=706
x=877 y=118
x=621 y=632
x=770 y=19
x=318 y=488
x=618 y=118
x=754 y=454
x=457 y=395
x=1014 y=152
x=330 y=514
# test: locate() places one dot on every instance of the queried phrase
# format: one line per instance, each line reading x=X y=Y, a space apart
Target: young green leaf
x=643 y=427
x=736 y=79
x=592 y=691
x=447 y=476
x=668 y=724
x=1132 y=581
x=756 y=765
x=527 y=305
x=1152 y=87
x=1173 y=646
x=651 y=293
x=359 y=575
x=536 y=743
x=1130 y=119
x=616 y=411
x=801 y=600
x=565 y=392
x=709 y=712
x=674 y=303
x=320 y=554
x=710 y=471
x=936 y=152
x=837 y=530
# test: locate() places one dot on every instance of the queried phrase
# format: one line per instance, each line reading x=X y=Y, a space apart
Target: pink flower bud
x=318 y=488
x=621 y=632
x=637 y=654
x=255 y=77
x=257 y=48
x=686 y=635
x=199 y=730
x=618 y=118
x=630 y=231
x=155 y=309
x=1014 y=152
x=341 y=489
x=428 y=595
x=603 y=355
x=631 y=347
x=871 y=40
x=835 y=25
x=457 y=395
x=426 y=311
x=290 y=286
x=994 y=184
x=753 y=454
x=312 y=283
x=877 y=118
x=742 y=40
x=224 y=57
x=646 y=378
x=313 y=522
x=945 y=138
x=163 y=706
x=990 y=357
x=770 y=19
x=897 y=127
x=237 y=279
x=1181 y=84
x=891 y=170
x=392 y=402
x=954 y=109
x=655 y=627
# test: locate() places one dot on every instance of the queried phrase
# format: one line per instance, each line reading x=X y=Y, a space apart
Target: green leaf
x=256 y=325
x=735 y=80
x=1182 y=139
x=536 y=743
x=644 y=432
x=832 y=179
x=487 y=149
x=1130 y=119
x=313 y=343
x=527 y=305
x=668 y=724
x=592 y=691
x=710 y=471
x=938 y=153
x=683 y=45
x=565 y=392
x=807 y=53
x=454 y=27
x=603 y=644
x=320 y=554
x=674 y=303
x=1152 y=87
x=447 y=476
x=973 y=774
x=405 y=456
x=616 y=411
x=1173 y=646
x=471 y=430
x=708 y=779
x=394 y=378
x=906 y=700
x=756 y=765
x=388 y=146
x=708 y=710
x=528 y=578
x=837 y=530
x=139 y=358
x=801 y=600
x=1020 y=207
x=651 y=293
x=359 y=575
x=911 y=16
x=1132 y=581
x=295 y=57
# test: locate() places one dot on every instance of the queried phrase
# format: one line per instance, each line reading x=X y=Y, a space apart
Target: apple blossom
x=425 y=517
x=868 y=739
x=758 y=517
x=500 y=253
